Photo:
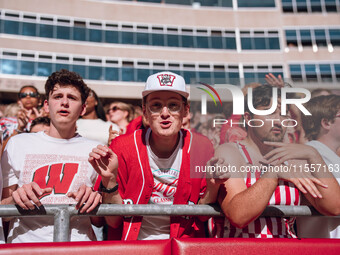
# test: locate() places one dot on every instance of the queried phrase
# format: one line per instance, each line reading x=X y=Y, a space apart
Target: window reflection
x=11 y=27
x=63 y=32
x=46 y=30
x=27 y=67
x=29 y=29
x=9 y=66
x=44 y=69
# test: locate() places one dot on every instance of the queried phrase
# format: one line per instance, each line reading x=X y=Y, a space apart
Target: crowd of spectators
x=66 y=147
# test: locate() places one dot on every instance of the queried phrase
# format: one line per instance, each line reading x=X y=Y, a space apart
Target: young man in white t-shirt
x=51 y=167
x=322 y=129
x=154 y=164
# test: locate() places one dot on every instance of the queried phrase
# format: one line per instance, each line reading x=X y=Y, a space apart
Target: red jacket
x=136 y=184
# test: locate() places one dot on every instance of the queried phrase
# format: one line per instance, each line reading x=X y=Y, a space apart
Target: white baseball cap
x=166 y=81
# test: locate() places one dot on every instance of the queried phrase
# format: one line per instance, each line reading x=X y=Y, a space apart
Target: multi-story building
x=115 y=45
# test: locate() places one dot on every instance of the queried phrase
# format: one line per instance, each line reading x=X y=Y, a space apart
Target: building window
x=334 y=35
x=95 y=35
x=321 y=73
x=158 y=39
x=59 y=66
x=142 y=38
x=69 y=29
x=11 y=27
x=80 y=69
x=296 y=73
x=44 y=69
x=142 y=74
x=29 y=29
x=311 y=73
x=310 y=37
x=42 y=64
x=301 y=5
x=9 y=66
x=256 y=3
x=172 y=40
x=27 y=67
x=310 y=6
x=315 y=5
x=306 y=38
x=337 y=72
x=112 y=36
x=112 y=74
x=46 y=30
x=63 y=32
x=325 y=72
x=127 y=37
x=79 y=33
x=320 y=37
x=259 y=40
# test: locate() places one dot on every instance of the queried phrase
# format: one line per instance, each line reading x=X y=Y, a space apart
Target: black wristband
x=102 y=188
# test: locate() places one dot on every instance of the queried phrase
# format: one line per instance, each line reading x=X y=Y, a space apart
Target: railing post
x=61 y=225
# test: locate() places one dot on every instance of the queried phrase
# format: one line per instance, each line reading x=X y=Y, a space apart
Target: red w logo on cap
x=166 y=79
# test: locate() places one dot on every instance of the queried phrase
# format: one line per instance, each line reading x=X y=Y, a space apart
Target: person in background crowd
x=152 y=166
x=232 y=133
x=11 y=110
x=321 y=92
x=29 y=103
x=246 y=194
x=137 y=111
x=139 y=122
x=93 y=124
x=40 y=124
x=121 y=114
x=322 y=129
x=32 y=164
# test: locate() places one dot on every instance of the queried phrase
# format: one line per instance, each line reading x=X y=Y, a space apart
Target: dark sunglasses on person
x=31 y=94
x=114 y=108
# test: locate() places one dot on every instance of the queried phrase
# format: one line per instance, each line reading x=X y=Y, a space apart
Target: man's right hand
x=28 y=195
x=105 y=162
x=217 y=177
x=214 y=180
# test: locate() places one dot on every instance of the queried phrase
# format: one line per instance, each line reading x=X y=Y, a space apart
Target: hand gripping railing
x=63 y=213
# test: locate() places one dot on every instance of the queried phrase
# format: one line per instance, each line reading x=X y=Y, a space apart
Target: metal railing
x=63 y=213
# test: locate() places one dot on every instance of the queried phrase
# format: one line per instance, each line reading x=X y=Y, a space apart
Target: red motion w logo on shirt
x=57 y=176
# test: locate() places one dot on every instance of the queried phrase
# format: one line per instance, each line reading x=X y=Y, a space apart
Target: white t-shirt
x=50 y=162
x=97 y=129
x=165 y=173
x=321 y=227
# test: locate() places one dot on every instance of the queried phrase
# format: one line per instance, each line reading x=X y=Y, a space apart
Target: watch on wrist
x=102 y=188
